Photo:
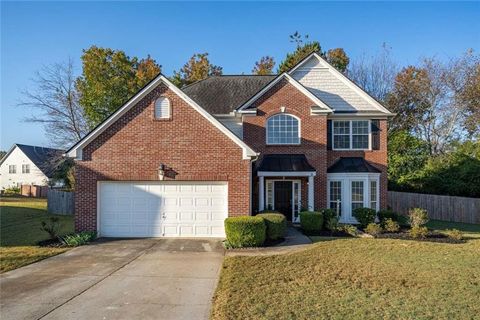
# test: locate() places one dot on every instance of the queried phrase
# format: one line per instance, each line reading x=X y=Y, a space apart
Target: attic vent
x=162 y=108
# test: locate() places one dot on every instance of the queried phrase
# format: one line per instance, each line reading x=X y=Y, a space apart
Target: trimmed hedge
x=276 y=224
x=311 y=221
x=364 y=216
x=245 y=231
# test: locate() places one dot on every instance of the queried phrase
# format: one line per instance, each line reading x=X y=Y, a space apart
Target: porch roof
x=285 y=163
x=352 y=164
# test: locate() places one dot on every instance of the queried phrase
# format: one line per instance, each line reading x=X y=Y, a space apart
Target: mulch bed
x=328 y=233
x=432 y=237
x=52 y=243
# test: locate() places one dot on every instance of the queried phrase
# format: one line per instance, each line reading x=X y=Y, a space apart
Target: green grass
x=20 y=222
x=356 y=278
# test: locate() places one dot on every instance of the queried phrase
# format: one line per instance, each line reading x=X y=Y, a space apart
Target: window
x=373 y=194
x=357 y=195
x=336 y=196
x=162 y=108
x=351 y=134
x=283 y=129
x=12 y=168
x=25 y=168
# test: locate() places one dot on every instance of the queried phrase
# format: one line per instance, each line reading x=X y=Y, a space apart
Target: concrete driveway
x=117 y=279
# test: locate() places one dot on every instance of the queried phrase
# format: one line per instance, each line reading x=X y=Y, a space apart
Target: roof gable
x=45 y=159
x=76 y=150
x=292 y=81
x=339 y=92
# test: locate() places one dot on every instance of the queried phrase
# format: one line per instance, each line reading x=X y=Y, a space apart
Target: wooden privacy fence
x=28 y=190
x=60 y=202
x=446 y=208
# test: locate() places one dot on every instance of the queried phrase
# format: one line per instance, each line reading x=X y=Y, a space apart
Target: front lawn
x=20 y=220
x=356 y=278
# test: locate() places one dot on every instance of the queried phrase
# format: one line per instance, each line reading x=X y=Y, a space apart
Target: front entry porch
x=280 y=180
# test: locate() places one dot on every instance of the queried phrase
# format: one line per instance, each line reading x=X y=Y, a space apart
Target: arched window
x=283 y=129
x=162 y=108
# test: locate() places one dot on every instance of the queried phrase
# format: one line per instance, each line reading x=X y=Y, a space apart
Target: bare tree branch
x=55 y=98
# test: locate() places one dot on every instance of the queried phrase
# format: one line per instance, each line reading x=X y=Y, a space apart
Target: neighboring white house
x=28 y=165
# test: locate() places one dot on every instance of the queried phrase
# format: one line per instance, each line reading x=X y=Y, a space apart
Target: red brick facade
x=193 y=149
x=313 y=130
x=133 y=148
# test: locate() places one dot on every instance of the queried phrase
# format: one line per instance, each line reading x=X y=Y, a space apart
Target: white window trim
x=346 y=179
x=284 y=144
x=351 y=134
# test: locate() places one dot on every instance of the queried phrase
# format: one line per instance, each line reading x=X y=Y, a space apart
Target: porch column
x=261 y=193
x=310 y=198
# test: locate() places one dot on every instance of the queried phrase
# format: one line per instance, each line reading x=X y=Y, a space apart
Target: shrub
x=387 y=214
x=78 y=239
x=11 y=190
x=350 y=229
x=364 y=216
x=373 y=229
x=391 y=226
x=418 y=232
x=332 y=224
x=276 y=224
x=417 y=217
x=327 y=215
x=455 y=234
x=245 y=231
x=311 y=221
x=52 y=227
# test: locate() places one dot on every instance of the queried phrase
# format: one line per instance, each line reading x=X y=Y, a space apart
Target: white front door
x=162 y=209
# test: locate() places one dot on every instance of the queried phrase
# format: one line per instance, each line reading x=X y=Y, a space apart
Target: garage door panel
x=156 y=209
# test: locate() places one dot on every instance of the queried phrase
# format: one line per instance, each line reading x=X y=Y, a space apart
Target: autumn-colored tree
x=146 y=70
x=463 y=79
x=264 y=66
x=338 y=58
x=197 y=68
x=109 y=79
x=470 y=97
x=408 y=98
x=304 y=47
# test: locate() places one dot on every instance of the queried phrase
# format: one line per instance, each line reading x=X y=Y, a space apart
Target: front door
x=283 y=198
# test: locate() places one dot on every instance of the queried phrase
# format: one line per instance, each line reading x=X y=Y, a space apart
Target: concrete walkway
x=117 y=279
x=295 y=240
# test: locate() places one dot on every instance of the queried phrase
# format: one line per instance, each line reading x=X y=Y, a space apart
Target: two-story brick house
x=174 y=162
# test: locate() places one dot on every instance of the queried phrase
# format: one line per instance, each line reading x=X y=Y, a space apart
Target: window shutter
x=376 y=134
x=329 y=134
x=162 y=108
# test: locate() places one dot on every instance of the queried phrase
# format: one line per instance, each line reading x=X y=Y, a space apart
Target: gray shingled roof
x=223 y=94
x=46 y=159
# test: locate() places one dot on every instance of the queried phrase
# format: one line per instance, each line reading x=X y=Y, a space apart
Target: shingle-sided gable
x=333 y=88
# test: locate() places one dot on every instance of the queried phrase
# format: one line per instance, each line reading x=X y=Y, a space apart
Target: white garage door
x=162 y=209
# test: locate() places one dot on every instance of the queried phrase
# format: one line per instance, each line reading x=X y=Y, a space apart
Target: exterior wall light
x=161 y=171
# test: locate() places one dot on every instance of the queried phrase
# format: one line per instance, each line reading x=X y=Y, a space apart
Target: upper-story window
x=283 y=129
x=162 y=108
x=351 y=134
x=25 y=168
x=12 y=168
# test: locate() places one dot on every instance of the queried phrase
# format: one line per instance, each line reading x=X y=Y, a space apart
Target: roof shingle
x=223 y=94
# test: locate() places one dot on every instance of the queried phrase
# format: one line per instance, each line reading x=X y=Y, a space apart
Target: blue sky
x=235 y=34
